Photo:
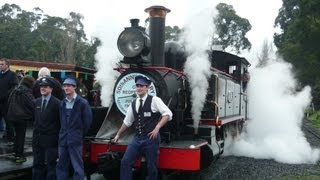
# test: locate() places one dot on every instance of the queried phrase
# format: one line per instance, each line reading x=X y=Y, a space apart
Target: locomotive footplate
x=176 y=155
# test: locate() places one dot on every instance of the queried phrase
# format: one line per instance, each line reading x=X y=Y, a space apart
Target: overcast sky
x=101 y=14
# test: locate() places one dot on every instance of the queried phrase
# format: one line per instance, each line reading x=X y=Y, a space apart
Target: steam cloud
x=107 y=58
x=197 y=67
x=275 y=107
x=277 y=112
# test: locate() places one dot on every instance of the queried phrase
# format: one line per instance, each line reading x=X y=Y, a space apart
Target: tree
x=40 y=37
x=172 y=33
x=299 y=41
x=231 y=29
x=286 y=16
x=316 y=94
x=264 y=57
x=15 y=29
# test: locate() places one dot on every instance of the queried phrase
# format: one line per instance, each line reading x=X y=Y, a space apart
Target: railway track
x=311 y=133
x=310 y=129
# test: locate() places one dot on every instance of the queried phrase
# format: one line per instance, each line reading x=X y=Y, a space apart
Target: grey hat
x=70 y=81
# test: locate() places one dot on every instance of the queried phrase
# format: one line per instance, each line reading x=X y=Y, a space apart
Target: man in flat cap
x=75 y=119
x=147 y=114
x=45 y=132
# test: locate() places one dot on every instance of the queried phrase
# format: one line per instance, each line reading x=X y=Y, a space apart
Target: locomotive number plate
x=125 y=91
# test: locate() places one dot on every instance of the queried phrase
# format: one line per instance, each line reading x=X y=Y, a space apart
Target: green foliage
x=263 y=57
x=231 y=29
x=316 y=94
x=172 y=33
x=40 y=37
x=299 y=41
x=315 y=119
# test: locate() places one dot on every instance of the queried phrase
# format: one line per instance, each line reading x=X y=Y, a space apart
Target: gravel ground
x=232 y=167
x=249 y=168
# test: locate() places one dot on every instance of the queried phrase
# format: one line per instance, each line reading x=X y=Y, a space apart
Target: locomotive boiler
x=183 y=148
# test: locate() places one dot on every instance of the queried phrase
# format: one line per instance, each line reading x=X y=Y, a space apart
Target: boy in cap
x=75 y=120
x=143 y=114
x=45 y=132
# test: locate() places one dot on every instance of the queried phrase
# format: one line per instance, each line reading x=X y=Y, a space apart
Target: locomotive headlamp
x=133 y=42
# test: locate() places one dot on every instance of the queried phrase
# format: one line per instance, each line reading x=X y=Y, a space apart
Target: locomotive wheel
x=185 y=175
x=234 y=129
x=191 y=176
x=112 y=175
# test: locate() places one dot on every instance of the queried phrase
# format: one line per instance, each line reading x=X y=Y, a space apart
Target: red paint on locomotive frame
x=169 y=158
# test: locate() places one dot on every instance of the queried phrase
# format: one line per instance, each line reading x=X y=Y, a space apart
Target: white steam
x=276 y=112
x=198 y=32
x=107 y=58
x=105 y=75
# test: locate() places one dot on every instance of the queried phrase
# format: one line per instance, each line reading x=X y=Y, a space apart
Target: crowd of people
x=61 y=118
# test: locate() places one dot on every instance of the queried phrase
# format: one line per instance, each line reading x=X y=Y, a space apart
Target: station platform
x=8 y=168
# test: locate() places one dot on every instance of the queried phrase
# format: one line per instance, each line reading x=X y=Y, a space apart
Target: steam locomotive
x=184 y=147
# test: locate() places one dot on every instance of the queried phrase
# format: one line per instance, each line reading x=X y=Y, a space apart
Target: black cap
x=142 y=80
x=45 y=81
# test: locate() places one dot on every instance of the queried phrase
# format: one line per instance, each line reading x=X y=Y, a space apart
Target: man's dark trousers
x=141 y=145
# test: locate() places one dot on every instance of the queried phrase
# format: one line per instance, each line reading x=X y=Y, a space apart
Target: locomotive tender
x=147 y=54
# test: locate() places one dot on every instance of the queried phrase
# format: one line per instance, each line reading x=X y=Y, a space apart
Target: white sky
x=116 y=14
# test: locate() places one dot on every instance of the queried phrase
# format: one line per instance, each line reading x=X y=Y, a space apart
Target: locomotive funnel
x=134 y=22
x=157 y=17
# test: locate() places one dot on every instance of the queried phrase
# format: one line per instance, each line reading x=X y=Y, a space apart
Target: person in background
x=245 y=79
x=96 y=93
x=147 y=114
x=20 y=74
x=82 y=90
x=75 y=120
x=20 y=111
x=57 y=88
x=8 y=81
x=45 y=132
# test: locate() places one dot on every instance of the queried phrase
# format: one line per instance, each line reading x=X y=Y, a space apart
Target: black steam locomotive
x=183 y=148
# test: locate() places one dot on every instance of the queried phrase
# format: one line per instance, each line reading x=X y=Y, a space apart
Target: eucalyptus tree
x=231 y=29
x=299 y=39
x=40 y=37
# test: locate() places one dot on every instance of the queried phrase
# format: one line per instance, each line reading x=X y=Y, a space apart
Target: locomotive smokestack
x=157 y=17
x=134 y=22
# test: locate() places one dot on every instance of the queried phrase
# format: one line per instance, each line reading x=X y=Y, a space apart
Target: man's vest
x=145 y=121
